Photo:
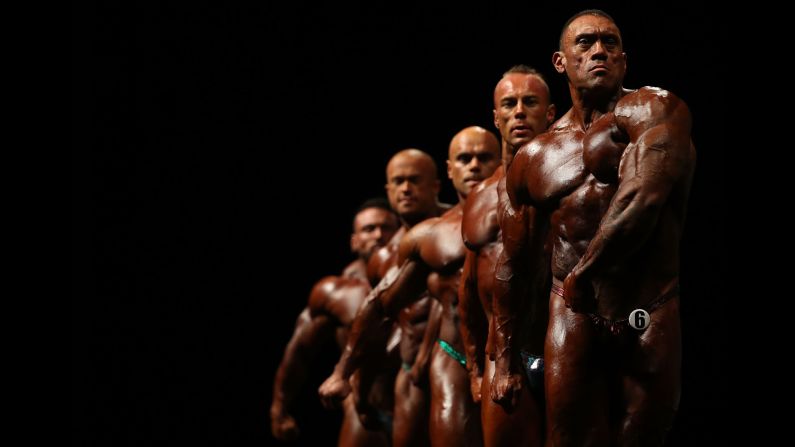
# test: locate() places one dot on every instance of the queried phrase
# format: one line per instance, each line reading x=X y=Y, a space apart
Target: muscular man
x=430 y=256
x=332 y=305
x=412 y=187
x=606 y=188
x=522 y=109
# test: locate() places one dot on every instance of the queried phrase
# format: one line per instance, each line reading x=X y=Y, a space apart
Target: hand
x=505 y=388
x=475 y=384
x=418 y=373
x=334 y=390
x=578 y=293
x=283 y=426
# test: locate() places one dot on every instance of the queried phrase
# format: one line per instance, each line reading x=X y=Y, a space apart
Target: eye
x=465 y=158
x=485 y=158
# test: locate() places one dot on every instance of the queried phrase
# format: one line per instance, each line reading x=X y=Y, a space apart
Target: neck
x=356 y=269
x=508 y=152
x=590 y=104
x=409 y=221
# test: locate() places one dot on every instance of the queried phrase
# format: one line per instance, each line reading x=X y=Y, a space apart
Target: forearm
x=505 y=310
x=520 y=275
x=369 y=332
x=624 y=229
x=473 y=325
x=370 y=329
x=309 y=335
x=429 y=337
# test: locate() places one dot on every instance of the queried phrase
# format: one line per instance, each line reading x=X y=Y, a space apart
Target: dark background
x=218 y=156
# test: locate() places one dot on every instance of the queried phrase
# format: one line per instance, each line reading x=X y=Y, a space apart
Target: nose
x=378 y=233
x=474 y=164
x=599 y=50
x=519 y=110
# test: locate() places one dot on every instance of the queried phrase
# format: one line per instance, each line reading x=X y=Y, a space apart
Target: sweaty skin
x=412 y=188
x=522 y=109
x=430 y=257
x=412 y=400
x=330 y=310
x=606 y=188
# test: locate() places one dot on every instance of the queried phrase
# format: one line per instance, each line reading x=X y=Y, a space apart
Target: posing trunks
x=534 y=369
x=451 y=351
x=617 y=327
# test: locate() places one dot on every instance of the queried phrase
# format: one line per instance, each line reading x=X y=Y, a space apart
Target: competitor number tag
x=639 y=319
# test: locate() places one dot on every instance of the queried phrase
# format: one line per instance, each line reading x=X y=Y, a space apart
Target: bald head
x=412 y=185
x=414 y=157
x=472 y=136
x=473 y=156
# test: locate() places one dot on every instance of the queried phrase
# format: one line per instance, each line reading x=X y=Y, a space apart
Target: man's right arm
x=370 y=329
x=312 y=330
x=518 y=275
x=473 y=324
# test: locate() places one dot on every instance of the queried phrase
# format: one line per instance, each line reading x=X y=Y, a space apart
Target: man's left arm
x=657 y=157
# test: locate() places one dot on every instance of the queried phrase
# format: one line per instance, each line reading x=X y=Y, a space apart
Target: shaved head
x=473 y=136
x=412 y=185
x=414 y=157
x=473 y=156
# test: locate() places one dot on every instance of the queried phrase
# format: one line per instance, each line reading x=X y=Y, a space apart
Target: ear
x=496 y=121
x=559 y=61
x=551 y=110
x=353 y=243
x=449 y=169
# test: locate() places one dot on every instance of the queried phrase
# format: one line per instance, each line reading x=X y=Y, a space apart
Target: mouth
x=598 y=69
x=521 y=129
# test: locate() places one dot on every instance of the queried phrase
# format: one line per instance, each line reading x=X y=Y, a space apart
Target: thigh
x=353 y=433
x=574 y=381
x=523 y=426
x=455 y=419
x=652 y=379
x=410 y=420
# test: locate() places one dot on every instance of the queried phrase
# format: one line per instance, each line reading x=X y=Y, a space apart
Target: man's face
x=472 y=160
x=411 y=187
x=521 y=108
x=372 y=229
x=592 y=54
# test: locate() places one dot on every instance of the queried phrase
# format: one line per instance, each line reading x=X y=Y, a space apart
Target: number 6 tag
x=639 y=319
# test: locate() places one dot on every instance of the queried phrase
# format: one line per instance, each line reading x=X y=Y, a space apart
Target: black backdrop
x=219 y=153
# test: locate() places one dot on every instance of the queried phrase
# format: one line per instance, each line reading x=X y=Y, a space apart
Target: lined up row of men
x=544 y=306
